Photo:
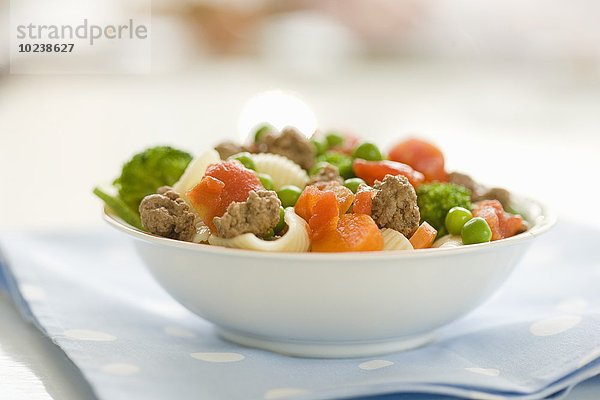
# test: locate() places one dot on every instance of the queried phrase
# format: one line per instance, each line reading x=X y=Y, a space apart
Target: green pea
x=353 y=184
x=475 y=231
x=315 y=169
x=334 y=139
x=320 y=147
x=269 y=234
x=289 y=195
x=342 y=161
x=245 y=158
x=266 y=181
x=281 y=224
x=456 y=218
x=367 y=151
x=261 y=130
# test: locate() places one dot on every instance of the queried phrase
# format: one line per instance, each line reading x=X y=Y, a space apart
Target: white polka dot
x=585 y=360
x=280 y=393
x=120 y=369
x=31 y=292
x=484 y=371
x=218 y=357
x=84 y=334
x=484 y=396
x=554 y=325
x=178 y=331
x=572 y=305
x=374 y=364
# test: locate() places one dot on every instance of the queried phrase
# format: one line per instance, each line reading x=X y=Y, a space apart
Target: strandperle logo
x=85 y=30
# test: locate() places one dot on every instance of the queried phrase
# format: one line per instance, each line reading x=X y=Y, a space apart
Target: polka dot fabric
x=90 y=294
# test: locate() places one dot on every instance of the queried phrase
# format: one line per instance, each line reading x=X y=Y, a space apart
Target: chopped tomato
x=364 y=200
x=502 y=224
x=422 y=156
x=371 y=171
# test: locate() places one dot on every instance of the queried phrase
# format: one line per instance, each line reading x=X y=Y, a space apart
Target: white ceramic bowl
x=333 y=305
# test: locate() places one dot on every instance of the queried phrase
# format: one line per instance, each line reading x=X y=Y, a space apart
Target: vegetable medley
x=330 y=193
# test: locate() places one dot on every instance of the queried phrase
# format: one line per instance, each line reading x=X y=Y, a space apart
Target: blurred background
x=510 y=91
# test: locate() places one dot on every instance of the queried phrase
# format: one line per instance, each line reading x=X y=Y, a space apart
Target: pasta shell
x=194 y=172
x=282 y=170
x=394 y=240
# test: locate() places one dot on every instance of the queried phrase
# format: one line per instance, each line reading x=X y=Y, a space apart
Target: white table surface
x=533 y=130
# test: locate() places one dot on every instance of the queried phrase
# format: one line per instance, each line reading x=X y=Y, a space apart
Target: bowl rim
x=544 y=222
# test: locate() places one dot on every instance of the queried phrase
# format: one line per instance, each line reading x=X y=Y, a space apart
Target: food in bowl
x=329 y=193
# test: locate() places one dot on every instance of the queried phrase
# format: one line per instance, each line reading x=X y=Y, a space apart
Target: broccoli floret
x=143 y=175
x=436 y=199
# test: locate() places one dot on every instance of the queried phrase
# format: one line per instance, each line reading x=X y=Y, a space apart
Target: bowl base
x=315 y=349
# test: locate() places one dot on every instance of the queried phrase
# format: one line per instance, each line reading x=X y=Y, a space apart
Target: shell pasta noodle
x=295 y=240
x=394 y=240
x=195 y=171
x=282 y=170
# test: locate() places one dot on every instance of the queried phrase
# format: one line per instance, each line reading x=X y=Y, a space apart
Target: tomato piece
x=222 y=184
x=423 y=237
x=503 y=224
x=364 y=200
x=371 y=171
x=423 y=157
x=325 y=215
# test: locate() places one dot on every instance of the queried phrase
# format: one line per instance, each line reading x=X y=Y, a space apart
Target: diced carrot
x=354 y=232
x=364 y=200
x=423 y=237
x=324 y=216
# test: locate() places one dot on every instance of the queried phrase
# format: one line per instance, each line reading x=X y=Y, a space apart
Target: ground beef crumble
x=289 y=143
x=478 y=191
x=166 y=214
x=256 y=215
x=329 y=173
x=395 y=205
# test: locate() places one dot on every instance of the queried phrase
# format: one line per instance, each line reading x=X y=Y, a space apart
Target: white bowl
x=333 y=305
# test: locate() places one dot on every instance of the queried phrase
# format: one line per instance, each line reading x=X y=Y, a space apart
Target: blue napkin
x=89 y=293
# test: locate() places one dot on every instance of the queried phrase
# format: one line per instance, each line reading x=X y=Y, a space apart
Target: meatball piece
x=478 y=191
x=256 y=215
x=289 y=143
x=329 y=173
x=229 y=148
x=395 y=205
x=166 y=214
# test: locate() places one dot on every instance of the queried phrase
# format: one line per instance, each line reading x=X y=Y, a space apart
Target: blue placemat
x=91 y=295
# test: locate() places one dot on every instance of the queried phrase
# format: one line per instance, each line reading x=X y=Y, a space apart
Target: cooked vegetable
x=195 y=170
x=266 y=181
x=245 y=158
x=281 y=224
x=423 y=237
x=363 y=202
x=422 y=156
x=224 y=183
x=367 y=151
x=372 y=171
x=501 y=223
x=456 y=218
x=289 y=195
x=261 y=130
x=119 y=207
x=320 y=147
x=436 y=199
x=334 y=139
x=353 y=184
x=342 y=161
x=318 y=167
x=475 y=231
x=149 y=170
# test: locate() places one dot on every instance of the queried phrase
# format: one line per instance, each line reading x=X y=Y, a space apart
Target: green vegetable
x=281 y=224
x=320 y=147
x=245 y=158
x=315 y=169
x=289 y=195
x=456 y=218
x=266 y=181
x=367 y=151
x=353 y=184
x=269 y=234
x=475 y=231
x=261 y=130
x=342 y=161
x=119 y=208
x=334 y=139
x=149 y=170
x=436 y=199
